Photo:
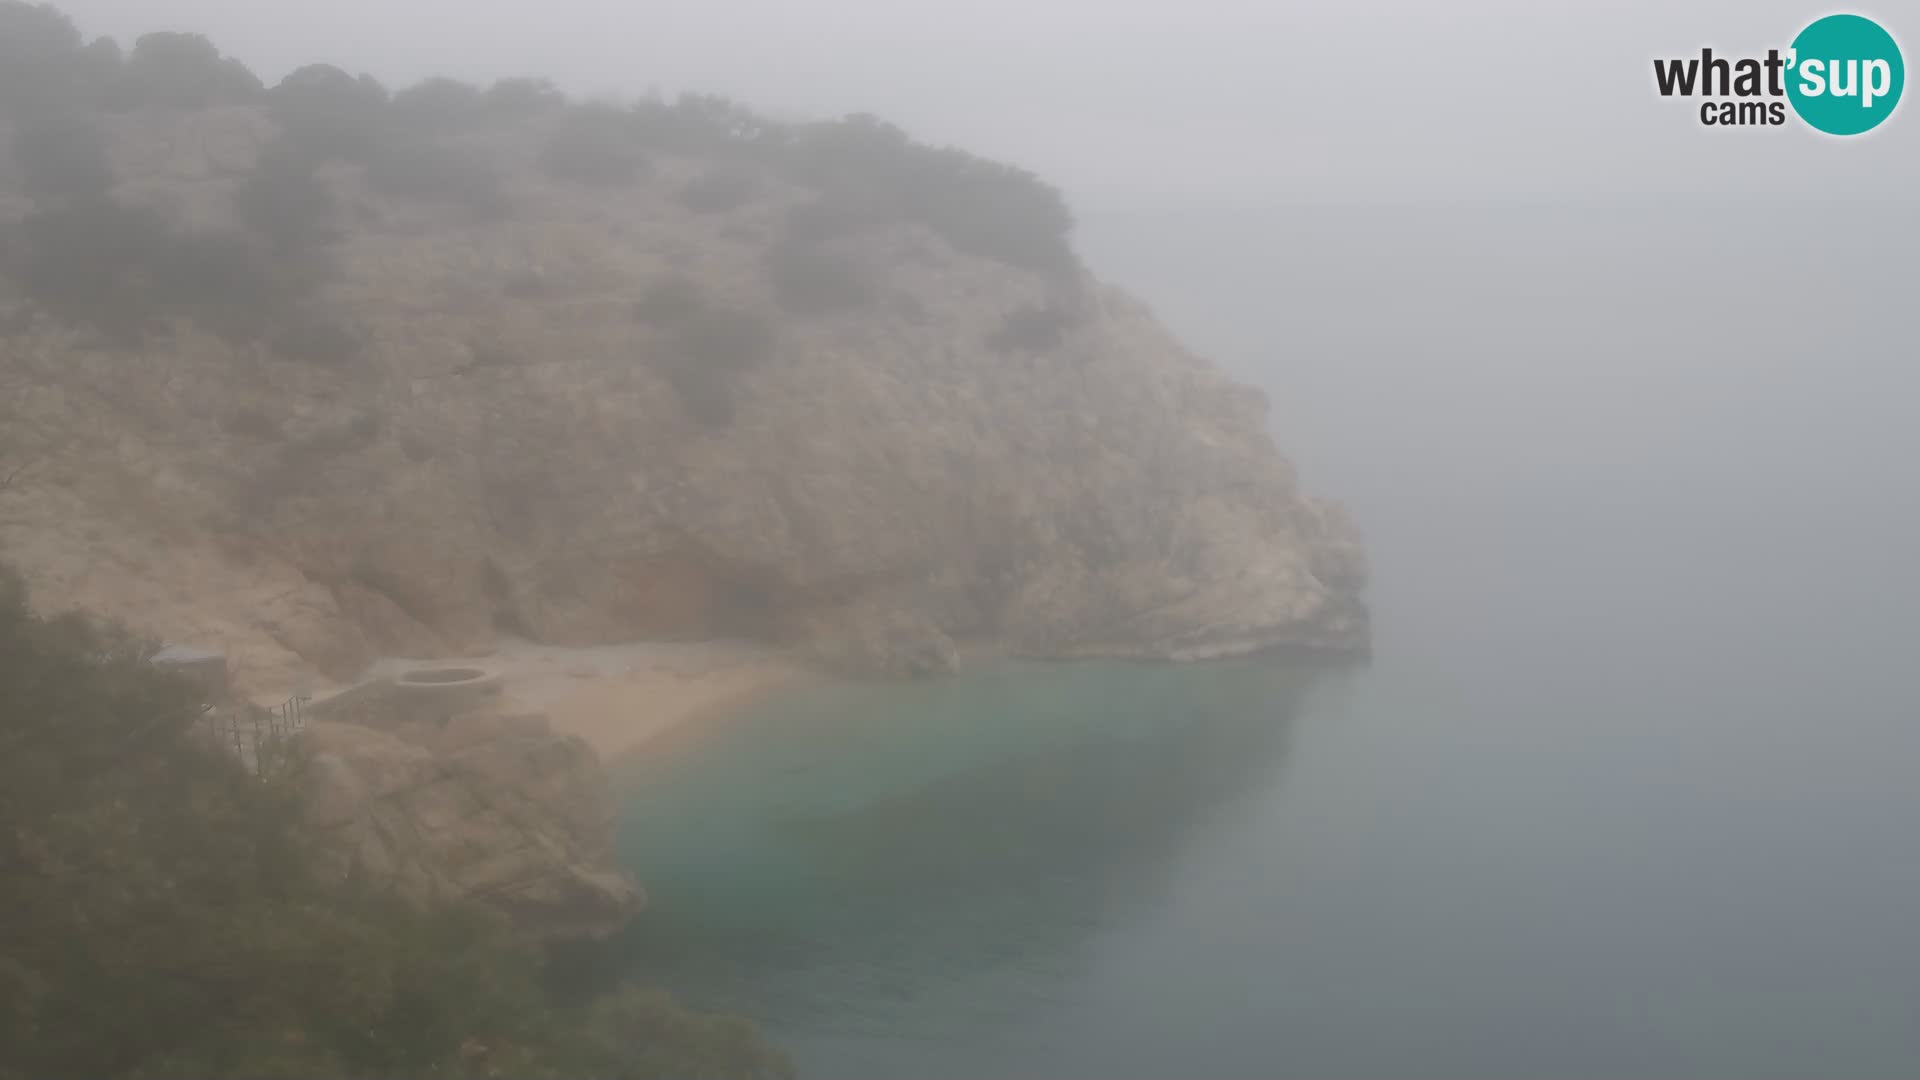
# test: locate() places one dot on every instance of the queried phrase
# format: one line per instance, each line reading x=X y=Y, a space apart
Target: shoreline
x=621 y=698
x=630 y=699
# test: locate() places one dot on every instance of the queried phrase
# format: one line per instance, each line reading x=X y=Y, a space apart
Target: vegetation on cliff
x=159 y=917
x=328 y=372
x=91 y=257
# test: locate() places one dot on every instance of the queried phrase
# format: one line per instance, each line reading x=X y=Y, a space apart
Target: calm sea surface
x=1632 y=788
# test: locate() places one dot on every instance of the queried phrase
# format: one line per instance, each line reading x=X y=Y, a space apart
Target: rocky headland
x=318 y=375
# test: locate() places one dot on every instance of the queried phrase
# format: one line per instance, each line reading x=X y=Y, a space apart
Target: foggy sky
x=1151 y=103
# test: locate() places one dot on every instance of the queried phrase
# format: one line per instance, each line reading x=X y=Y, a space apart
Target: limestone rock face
x=472 y=804
x=508 y=450
x=865 y=639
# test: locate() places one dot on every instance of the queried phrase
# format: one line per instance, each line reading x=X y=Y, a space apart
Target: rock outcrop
x=512 y=445
x=440 y=797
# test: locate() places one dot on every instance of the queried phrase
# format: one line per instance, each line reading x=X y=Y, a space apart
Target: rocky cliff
x=704 y=395
x=438 y=797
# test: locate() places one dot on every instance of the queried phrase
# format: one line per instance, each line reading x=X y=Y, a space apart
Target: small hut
x=205 y=668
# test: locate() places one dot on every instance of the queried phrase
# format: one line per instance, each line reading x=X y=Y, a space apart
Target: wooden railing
x=253 y=733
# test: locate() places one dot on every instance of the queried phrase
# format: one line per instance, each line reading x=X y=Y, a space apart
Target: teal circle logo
x=1846 y=75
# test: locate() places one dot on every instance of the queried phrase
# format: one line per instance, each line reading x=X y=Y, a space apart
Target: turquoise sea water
x=880 y=874
x=1631 y=789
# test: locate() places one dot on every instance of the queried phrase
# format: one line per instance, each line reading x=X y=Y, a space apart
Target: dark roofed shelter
x=206 y=668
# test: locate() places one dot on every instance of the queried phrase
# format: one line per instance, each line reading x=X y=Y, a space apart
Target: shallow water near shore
x=877 y=873
x=1242 y=869
x=1629 y=789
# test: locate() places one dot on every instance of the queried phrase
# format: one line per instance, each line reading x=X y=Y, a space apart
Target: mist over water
x=896 y=871
x=1627 y=791
x=294 y=373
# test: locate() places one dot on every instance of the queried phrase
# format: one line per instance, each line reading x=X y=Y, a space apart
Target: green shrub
x=708 y=125
x=978 y=206
x=328 y=113
x=88 y=261
x=224 y=279
x=437 y=106
x=185 y=71
x=38 y=50
x=710 y=352
x=594 y=146
x=116 y=894
x=162 y=918
x=283 y=201
x=523 y=97
x=1032 y=328
x=432 y=172
x=62 y=158
x=825 y=219
x=719 y=190
x=121 y=268
x=324 y=113
x=812 y=278
x=100 y=69
x=995 y=211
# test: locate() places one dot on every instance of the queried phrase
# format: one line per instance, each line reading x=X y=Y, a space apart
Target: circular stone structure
x=447 y=685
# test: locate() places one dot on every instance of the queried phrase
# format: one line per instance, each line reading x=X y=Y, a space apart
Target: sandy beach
x=621 y=697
